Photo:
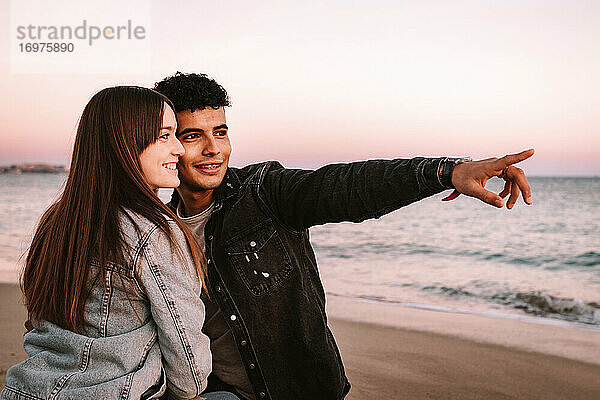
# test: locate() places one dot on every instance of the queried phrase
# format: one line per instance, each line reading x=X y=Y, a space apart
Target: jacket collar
x=229 y=187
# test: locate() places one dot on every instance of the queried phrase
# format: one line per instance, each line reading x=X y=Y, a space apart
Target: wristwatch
x=447 y=166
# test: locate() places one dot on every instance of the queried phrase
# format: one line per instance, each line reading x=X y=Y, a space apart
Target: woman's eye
x=164 y=136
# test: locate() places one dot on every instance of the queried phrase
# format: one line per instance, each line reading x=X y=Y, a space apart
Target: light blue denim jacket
x=137 y=343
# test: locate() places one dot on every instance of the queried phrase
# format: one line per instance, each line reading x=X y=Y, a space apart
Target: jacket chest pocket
x=260 y=258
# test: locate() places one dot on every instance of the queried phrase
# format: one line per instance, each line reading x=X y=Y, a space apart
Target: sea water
x=541 y=261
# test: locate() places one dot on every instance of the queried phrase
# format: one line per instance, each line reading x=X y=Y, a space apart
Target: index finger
x=511 y=159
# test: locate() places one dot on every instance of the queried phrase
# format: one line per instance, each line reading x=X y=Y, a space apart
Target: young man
x=266 y=304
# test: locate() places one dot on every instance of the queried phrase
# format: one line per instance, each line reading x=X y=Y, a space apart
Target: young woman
x=112 y=280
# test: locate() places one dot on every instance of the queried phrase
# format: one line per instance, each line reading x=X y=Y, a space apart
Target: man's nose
x=210 y=146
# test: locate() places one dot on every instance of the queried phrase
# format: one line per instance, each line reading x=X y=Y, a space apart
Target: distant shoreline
x=41 y=167
x=29 y=168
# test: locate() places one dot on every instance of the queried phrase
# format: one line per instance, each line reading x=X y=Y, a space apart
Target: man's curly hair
x=193 y=92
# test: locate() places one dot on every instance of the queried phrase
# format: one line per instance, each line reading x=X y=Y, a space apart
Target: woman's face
x=159 y=160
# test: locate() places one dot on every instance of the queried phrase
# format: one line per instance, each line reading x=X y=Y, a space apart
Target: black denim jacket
x=262 y=270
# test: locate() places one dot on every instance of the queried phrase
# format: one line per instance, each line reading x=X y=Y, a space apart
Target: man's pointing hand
x=470 y=178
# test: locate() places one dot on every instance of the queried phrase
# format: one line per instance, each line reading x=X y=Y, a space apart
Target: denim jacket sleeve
x=173 y=288
x=348 y=192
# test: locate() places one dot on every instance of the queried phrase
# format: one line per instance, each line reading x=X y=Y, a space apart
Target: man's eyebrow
x=198 y=130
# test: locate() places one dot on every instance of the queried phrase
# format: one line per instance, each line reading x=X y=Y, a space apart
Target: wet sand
x=393 y=362
x=389 y=363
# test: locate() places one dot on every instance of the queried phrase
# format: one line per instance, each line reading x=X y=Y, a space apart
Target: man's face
x=203 y=134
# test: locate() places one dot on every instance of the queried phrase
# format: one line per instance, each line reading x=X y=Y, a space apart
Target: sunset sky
x=318 y=82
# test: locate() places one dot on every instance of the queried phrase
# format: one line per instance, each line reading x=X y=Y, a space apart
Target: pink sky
x=313 y=83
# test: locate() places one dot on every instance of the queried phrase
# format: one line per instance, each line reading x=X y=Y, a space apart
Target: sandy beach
x=402 y=353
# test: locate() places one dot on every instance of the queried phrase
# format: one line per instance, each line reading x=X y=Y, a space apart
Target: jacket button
x=253 y=243
x=208 y=261
x=251 y=366
x=218 y=288
x=243 y=343
x=233 y=317
x=262 y=395
x=210 y=237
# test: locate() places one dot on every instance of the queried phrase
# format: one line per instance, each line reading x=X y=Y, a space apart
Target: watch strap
x=447 y=167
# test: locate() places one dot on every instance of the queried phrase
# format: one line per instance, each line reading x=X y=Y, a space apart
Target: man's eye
x=221 y=133
x=190 y=136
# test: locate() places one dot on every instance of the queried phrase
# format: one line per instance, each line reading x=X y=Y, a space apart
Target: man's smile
x=211 y=168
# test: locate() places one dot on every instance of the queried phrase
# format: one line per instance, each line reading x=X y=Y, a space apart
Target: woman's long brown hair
x=82 y=226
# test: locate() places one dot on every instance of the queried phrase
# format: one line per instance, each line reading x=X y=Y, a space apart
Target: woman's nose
x=178 y=148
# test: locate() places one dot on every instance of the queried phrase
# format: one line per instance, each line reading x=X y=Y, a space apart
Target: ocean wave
x=545 y=305
x=536 y=303
x=589 y=259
